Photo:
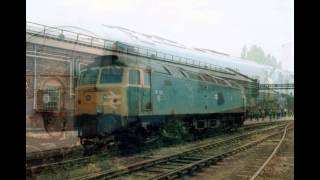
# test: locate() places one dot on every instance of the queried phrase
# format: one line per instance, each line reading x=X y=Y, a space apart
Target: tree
x=256 y=54
x=244 y=52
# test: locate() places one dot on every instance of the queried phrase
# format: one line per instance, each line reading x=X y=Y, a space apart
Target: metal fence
x=87 y=40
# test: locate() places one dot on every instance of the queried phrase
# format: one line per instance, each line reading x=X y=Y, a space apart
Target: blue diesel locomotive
x=121 y=97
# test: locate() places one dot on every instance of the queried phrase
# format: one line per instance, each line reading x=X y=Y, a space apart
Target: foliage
x=256 y=54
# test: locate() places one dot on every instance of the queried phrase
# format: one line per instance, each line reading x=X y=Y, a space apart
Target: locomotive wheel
x=89 y=147
x=174 y=130
x=127 y=142
x=140 y=135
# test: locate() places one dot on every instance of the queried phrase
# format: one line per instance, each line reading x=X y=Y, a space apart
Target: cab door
x=134 y=92
x=146 y=104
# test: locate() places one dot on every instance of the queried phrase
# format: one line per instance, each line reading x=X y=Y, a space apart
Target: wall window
x=134 y=77
x=49 y=99
x=54 y=99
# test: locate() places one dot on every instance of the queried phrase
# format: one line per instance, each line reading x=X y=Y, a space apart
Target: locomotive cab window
x=89 y=77
x=134 y=77
x=111 y=75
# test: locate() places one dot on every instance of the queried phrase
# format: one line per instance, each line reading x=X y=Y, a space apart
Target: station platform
x=39 y=140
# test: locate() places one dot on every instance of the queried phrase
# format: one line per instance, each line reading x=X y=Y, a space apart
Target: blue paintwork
x=190 y=96
x=174 y=96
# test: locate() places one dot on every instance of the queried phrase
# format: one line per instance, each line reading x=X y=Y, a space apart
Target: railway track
x=59 y=157
x=75 y=160
x=251 y=163
x=175 y=165
x=256 y=174
x=52 y=155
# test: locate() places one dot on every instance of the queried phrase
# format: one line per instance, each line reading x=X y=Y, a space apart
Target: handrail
x=277 y=86
x=88 y=40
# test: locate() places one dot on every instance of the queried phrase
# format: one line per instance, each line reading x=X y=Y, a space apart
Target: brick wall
x=45 y=65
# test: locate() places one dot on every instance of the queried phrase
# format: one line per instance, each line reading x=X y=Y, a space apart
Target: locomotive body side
x=174 y=96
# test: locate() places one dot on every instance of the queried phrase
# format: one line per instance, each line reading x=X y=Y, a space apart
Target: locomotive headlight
x=88 y=98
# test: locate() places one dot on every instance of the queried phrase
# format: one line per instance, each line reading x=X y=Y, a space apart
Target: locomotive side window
x=111 y=75
x=147 y=78
x=88 y=77
x=134 y=77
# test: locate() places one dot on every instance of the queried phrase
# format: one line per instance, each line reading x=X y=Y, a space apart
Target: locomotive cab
x=99 y=90
x=103 y=96
x=100 y=100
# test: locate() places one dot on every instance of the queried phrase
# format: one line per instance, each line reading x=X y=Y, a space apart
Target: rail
x=271 y=155
x=36 y=162
x=141 y=166
x=36 y=29
x=189 y=168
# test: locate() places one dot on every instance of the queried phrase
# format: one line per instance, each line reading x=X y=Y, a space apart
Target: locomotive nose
x=86 y=102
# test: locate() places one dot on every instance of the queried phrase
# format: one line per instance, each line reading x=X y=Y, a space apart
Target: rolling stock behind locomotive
x=121 y=97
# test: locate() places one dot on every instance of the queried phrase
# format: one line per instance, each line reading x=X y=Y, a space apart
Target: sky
x=221 y=25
